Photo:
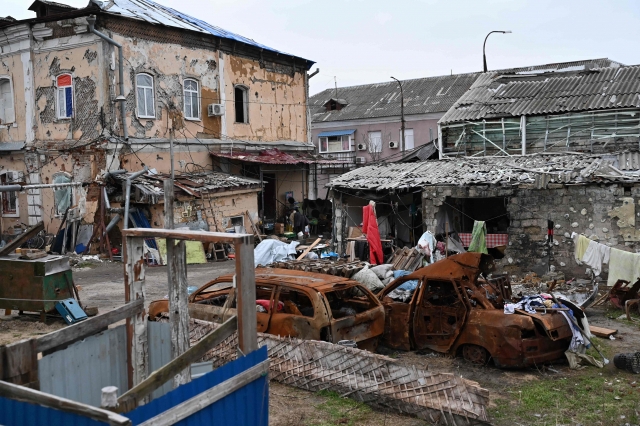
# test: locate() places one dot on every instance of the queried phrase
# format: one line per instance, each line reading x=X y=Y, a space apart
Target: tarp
x=269 y=251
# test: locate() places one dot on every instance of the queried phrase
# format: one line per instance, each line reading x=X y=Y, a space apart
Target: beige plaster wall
x=11 y=66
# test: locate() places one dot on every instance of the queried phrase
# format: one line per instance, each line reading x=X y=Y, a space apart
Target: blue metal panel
x=159 y=341
x=18 y=413
x=246 y=406
x=336 y=133
x=68 y=94
x=80 y=371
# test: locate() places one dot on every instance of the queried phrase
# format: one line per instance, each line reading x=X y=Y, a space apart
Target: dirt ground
x=101 y=285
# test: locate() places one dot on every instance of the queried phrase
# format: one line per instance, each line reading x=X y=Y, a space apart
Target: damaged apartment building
x=107 y=87
x=530 y=153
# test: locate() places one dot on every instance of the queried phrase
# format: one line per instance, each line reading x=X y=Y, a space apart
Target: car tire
x=475 y=354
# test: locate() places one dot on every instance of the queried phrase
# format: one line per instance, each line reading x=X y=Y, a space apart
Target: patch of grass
x=340 y=411
x=589 y=398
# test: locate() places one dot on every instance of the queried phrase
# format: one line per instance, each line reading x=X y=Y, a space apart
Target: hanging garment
x=595 y=255
x=426 y=245
x=370 y=228
x=581 y=244
x=623 y=265
x=478 y=242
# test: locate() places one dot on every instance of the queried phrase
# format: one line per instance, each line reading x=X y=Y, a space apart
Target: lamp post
x=484 y=57
x=401 y=112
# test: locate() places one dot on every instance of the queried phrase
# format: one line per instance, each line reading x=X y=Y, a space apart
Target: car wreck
x=454 y=307
x=294 y=304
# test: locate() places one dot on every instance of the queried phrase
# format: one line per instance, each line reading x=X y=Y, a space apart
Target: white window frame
x=184 y=99
x=9 y=177
x=405 y=138
x=12 y=118
x=371 y=146
x=245 y=103
x=350 y=137
x=59 y=112
x=153 y=96
x=72 y=196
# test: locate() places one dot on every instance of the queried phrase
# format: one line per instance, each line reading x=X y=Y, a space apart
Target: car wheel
x=475 y=354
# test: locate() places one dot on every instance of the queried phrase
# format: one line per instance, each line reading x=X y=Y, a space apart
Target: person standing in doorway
x=299 y=221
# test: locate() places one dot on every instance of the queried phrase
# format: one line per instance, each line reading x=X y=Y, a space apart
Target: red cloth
x=265 y=304
x=370 y=229
x=493 y=240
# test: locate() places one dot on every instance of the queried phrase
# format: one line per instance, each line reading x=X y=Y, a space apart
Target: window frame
x=59 y=115
x=245 y=103
x=4 y=175
x=405 y=138
x=153 y=96
x=72 y=193
x=369 y=148
x=184 y=99
x=342 y=141
x=13 y=100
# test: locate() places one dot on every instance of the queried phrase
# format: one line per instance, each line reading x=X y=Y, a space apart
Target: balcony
x=345 y=161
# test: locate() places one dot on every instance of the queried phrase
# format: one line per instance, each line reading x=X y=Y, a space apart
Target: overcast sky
x=366 y=41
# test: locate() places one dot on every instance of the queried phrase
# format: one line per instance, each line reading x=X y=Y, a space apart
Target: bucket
x=629 y=362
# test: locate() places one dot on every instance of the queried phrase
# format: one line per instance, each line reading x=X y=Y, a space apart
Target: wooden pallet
x=406 y=259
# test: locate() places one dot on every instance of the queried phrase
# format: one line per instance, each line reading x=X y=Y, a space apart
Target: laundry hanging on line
x=623 y=265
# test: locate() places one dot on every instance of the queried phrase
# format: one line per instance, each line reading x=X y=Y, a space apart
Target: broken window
x=349 y=302
x=335 y=143
x=439 y=293
x=10 y=199
x=62 y=195
x=7 y=112
x=64 y=95
x=241 y=100
x=144 y=96
x=191 y=100
x=295 y=302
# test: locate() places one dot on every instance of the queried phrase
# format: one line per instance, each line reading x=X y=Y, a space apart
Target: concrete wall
x=605 y=213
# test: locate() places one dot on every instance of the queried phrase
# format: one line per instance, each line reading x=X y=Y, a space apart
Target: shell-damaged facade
x=64 y=86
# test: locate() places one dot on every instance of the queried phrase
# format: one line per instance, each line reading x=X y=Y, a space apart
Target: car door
x=398 y=308
x=265 y=299
x=439 y=315
x=294 y=315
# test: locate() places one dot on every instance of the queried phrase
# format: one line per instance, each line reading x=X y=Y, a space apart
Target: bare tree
x=375 y=144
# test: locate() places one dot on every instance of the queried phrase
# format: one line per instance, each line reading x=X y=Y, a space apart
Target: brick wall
x=605 y=213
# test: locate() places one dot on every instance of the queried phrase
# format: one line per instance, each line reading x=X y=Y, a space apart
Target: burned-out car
x=295 y=303
x=451 y=307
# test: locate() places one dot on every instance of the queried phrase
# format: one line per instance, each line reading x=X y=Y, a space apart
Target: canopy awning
x=337 y=133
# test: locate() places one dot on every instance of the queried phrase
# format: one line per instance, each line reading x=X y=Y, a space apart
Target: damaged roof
x=148 y=188
x=155 y=13
x=496 y=95
x=275 y=156
x=421 y=95
x=537 y=169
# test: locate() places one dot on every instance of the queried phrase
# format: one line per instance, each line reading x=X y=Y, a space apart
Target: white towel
x=623 y=265
x=595 y=255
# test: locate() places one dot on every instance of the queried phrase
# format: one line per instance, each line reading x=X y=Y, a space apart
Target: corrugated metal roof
x=155 y=13
x=422 y=95
x=495 y=94
x=275 y=156
x=539 y=169
x=337 y=133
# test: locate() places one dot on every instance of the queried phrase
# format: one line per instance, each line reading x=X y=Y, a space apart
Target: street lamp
x=401 y=112
x=484 y=57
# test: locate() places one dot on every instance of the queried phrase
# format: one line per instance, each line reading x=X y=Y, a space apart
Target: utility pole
x=484 y=57
x=401 y=113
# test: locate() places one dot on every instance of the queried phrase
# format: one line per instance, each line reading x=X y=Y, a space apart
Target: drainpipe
x=92 y=21
x=128 y=195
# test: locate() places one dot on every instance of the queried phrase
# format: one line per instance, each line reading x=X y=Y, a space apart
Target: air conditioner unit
x=393 y=144
x=215 y=109
x=362 y=147
x=361 y=160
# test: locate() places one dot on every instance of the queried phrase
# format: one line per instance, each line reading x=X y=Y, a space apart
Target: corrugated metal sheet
x=515 y=170
x=11 y=146
x=422 y=95
x=495 y=94
x=275 y=156
x=247 y=406
x=80 y=371
x=159 y=341
x=155 y=13
x=17 y=413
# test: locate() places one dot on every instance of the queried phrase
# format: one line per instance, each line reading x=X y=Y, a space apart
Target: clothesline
x=623 y=265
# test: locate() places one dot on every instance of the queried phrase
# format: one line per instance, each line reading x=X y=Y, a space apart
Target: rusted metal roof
x=275 y=156
x=148 y=189
x=421 y=95
x=537 y=169
x=495 y=94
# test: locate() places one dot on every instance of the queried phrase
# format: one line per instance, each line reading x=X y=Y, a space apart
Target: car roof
x=317 y=281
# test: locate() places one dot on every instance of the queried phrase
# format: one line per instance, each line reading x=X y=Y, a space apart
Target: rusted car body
x=454 y=311
x=295 y=303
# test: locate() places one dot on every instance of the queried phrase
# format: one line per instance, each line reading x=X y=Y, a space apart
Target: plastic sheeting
x=269 y=251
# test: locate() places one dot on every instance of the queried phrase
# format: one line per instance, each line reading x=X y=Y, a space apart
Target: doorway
x=269 y=196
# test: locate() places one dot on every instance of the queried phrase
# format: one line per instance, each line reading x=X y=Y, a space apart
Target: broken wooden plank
x=306 y=252
x=602 y=332
x=87 y=327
